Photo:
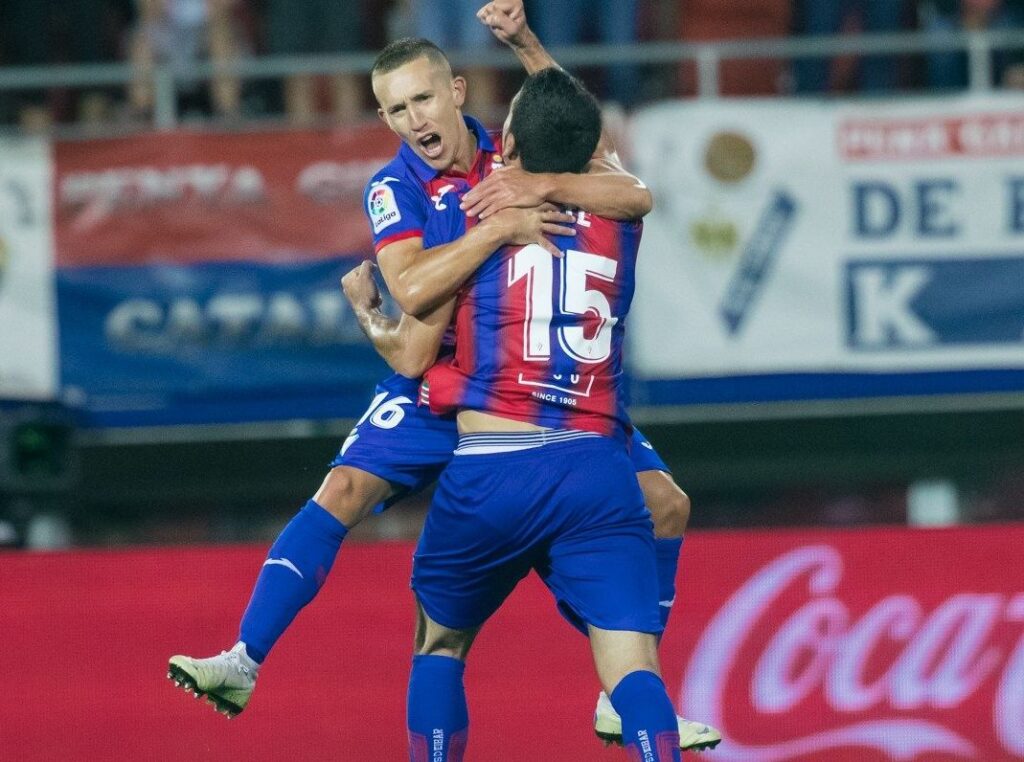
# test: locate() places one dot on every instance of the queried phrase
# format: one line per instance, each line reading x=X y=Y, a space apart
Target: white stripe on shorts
x=490 y=443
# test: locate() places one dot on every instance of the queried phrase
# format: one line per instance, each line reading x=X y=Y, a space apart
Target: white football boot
x=693 y=736
x=226 y=680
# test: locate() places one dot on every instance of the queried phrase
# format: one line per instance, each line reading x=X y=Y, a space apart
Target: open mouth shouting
x=431 y=145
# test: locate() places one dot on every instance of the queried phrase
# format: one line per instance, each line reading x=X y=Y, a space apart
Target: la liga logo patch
x=382 y=207
x=377 y=203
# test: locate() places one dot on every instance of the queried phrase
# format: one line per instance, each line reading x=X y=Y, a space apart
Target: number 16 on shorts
x=383 y=413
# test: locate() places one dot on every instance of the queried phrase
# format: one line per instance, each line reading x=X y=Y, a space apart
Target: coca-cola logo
x=878 y=679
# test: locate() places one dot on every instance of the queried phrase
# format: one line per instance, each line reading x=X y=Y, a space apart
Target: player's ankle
x=244 y=657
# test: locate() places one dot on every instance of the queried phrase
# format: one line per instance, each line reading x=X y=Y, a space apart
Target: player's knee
x=434 y=640
x=670 y=512
x=344 y=495
x=441 y=647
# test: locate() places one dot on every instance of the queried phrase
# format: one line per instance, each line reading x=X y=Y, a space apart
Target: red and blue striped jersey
x=408 y=198
x=539 y=339
x=401 y=199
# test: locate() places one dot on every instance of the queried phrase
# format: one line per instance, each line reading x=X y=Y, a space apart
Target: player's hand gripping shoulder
x=504 y=189
x=522 y=226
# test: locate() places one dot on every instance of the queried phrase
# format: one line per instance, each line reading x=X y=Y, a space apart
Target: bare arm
x=421 y=280
x=606 y=189
x=507 y=21
x=409 y=345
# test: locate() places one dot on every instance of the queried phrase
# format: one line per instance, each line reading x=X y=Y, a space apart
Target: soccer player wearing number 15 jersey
x=557 y=364
x=541 y=479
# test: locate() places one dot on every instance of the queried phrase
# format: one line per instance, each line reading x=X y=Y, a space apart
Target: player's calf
x=670 y=511
x=648 y=721
x=437 y=716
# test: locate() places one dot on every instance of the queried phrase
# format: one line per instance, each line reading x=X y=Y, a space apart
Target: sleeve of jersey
x=443 y=387
x=395 y=211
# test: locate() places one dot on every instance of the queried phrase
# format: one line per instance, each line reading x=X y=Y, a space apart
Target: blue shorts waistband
x=489 y=443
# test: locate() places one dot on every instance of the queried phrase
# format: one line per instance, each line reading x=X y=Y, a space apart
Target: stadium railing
x=708 y=58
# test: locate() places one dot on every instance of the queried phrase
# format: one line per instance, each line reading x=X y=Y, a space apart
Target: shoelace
x=233 y=658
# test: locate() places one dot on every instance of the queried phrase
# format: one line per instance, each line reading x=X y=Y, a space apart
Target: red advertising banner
x=938 y=137
x=190 y=196
x=881 y=644
x=860 y=645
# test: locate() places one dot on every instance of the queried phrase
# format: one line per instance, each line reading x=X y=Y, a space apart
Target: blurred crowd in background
x=792 y=473
x=177 y=33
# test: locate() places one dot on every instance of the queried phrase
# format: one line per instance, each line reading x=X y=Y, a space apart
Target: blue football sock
x=667 y=550
x=649 y=730
x=437 y=716
x=296 y=567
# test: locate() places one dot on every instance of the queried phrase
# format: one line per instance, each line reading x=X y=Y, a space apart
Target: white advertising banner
x=28 y=351
x=801 y=237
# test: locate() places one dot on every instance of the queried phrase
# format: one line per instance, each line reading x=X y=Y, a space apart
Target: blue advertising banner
x=914 y=304
x=198 y=275
x=213 y=343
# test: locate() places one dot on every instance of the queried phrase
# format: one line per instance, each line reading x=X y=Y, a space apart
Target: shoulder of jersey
x=392 y=172
x=381 y=205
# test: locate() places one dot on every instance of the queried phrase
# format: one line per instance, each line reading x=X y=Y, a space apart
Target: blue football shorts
x=398 y=440
x=644 y=456
x=571 y=510
x=405 y=444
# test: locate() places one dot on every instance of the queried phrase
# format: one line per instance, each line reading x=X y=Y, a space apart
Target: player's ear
x=377 y=97
x=509 y=151
x=459 y=91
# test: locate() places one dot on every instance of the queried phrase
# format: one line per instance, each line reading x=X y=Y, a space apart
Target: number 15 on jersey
x=577 y=268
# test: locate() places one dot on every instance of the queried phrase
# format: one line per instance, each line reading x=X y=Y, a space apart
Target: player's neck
x=465 y=157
